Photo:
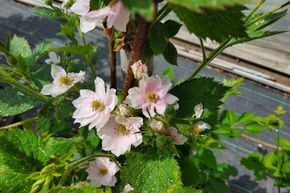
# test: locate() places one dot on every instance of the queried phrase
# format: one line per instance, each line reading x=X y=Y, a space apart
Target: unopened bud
x=156 y=125
x=124 y=110
x=139 y=70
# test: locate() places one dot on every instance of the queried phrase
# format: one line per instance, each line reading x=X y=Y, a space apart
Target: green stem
x=24 y=88
x=92 y=66
x=210 y=57
x=202 y=48
x=17 y=124
x=163 y=12
x=254 y=10
x=81 y=34
x=268 y=13
x=74 y=164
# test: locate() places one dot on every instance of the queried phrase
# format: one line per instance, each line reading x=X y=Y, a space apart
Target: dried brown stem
x=258 y=141
x=136 y=53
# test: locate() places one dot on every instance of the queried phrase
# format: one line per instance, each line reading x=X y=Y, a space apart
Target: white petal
x=198 y=110
x=203 y=126
x=100 y=88
x=87 y=24
x=170 y=99
x=54 y=89
x=77 y=77
x=81 y=7
x=57 y=71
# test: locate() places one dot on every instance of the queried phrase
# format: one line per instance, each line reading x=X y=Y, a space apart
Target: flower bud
x=140 y=70
x=125 y=111
x=156 y=125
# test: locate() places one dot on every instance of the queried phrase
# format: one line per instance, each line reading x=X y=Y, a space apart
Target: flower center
x=64 y=80
x=121 y=129
x=97 y=105
x=196 y=129
x=152 y=97
x=103 y=170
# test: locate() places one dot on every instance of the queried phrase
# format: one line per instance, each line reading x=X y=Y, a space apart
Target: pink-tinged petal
x=166 y=85
x=178 y=139
x=160 y=108
x=57 y=71
x=87 y=24
x=120 y=18
x=99 y=14
x=81 y=7
x=170 y=99
x=81 y=102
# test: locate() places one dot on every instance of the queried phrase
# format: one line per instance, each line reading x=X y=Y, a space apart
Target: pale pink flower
x=178 y=139
x=151 y=96
x=94 y=108
x=156 y=125
x=128 y=188
x=117 y=15
x=102 y=172
x=62 y=81
x=139 y=70
x=119 y=134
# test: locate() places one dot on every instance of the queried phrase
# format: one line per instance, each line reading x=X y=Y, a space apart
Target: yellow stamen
x=152 y=97
x=196 y=129
x=65 y=80
x=97 y=105
x=121 y=129
x=103 y=170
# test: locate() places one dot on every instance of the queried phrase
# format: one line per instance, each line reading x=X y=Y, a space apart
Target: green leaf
x=170 y=54
x=80 y=50
x=255 y=162
x=83 y=189
x=20 y=47
x=285 y=144
x=158 y=38
x=13 y=102
x=207 y=157
x=253 y=128
x=21 y=153
x=196 y=91
x=152 y=171
x=168 y=72
x=217 y=186
x=229 y=117
x=172 y=27
x=46 y=13
x=215 y=24
x=246 y=117
x=196 y=5
x=189 y=171
x=59 y=147
x=144 y=8
x=256 y=29
x=40 y=50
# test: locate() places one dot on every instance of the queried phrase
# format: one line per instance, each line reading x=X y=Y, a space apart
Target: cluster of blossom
x=118 y=126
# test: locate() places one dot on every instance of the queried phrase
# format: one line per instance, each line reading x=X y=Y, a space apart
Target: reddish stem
x=136 y=53
x=112 y=58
